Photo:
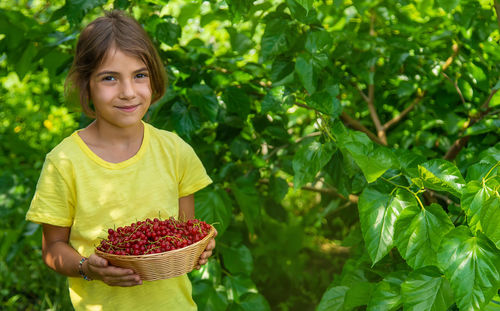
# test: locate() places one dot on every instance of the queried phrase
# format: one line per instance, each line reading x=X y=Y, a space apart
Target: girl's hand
x=207 y=253
x=98 y=268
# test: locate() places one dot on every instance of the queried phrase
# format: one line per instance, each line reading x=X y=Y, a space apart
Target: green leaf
x=56 y=62
x=482 y=208
x=476 y=172
x=168 y=31
x=208 y=298
x=278 y=188
x=484 y=126
x=309 y=160
x=471 y=264
x=249 y=201
x=240 y=42
x=24 y=64
x=490 y=218
x=494 y=304
x=387 y=294
x=333 y=299
x=237 y=259
x=474 y=196
x=373 y=161
x=203 y=97
x=306 y=4
x=304 y=67
x=478 y=76
x=448 y=5
x=77 y=9
x=326 y=101
x=273 y=100
x=254 y=302
x=358 y=295
x=378 y=212
x=275 y=38
x=238 y=285
x=497 y=86
x=238 y=8
x=185 y=120
x=188 y=10
x=302 y=14
x=491 y=155
x=442 y=175
x=318 y=41
x=214 y=207
x=408 y=161
x=426 y=289
x=282 y=71
x=121 y=4
x=466 y=89
x=419 y=232
x=237 y=101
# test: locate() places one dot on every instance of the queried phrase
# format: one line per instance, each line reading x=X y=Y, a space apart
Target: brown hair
x=126 y=34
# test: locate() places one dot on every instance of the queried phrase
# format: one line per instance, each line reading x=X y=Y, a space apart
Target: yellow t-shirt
x=78 y=189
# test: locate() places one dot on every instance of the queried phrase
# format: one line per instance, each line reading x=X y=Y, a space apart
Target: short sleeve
x=54 y=199
x=192 y=174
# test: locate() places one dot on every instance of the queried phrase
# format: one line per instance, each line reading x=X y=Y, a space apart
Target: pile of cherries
x=153 y=236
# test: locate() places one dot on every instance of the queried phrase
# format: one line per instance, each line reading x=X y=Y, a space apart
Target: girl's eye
x=108 y=78
x=141 y=75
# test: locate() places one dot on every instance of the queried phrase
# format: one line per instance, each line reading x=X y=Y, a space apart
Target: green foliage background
x=353 y=146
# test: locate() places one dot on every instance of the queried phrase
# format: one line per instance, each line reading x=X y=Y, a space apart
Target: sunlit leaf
x=387 y=294
x=378 y=212
x=309 y=159
x=426 y=289
x=333 y=299
x=448 y=5
x=237 y=259
x=472 y=265
x=442 y=175
x=418 y=234
x=214 y=207
x=482 y=207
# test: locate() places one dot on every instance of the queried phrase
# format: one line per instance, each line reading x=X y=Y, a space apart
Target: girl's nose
x=127 y=90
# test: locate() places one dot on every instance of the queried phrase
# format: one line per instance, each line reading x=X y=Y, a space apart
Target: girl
x=114 y=172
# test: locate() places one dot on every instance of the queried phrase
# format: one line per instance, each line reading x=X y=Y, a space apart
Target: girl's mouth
x=128 y=108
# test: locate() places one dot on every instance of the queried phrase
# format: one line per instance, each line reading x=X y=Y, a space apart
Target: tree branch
x=367 y=100
x=486 y=105
x=451 y=58
x=275 y=150
x=371 y=93
x=497 y=9
x=352 y=123
x=329 y=191
x=460 y=143
x=355 y=124
x=456 y=87
x=400 y=116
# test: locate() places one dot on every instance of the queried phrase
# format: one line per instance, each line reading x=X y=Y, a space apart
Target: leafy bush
x=353 y=146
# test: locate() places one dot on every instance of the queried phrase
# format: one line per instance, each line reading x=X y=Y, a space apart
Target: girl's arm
x=62 y=258
x=186 y=212
x=56 y=252
x=186 y=207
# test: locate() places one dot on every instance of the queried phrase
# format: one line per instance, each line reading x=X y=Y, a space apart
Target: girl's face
x=120 y=90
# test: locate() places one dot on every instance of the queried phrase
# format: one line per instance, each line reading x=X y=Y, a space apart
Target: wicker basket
x=164 y=265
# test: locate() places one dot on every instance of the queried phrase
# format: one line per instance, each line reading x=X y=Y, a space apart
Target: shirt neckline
x=110 y=165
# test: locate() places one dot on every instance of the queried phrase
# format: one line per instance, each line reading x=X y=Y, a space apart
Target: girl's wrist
x=82 y=271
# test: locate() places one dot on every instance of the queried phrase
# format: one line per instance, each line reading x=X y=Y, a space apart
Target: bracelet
x=80 y=269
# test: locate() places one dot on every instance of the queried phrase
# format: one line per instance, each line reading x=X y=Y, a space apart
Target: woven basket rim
x=210 y=234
